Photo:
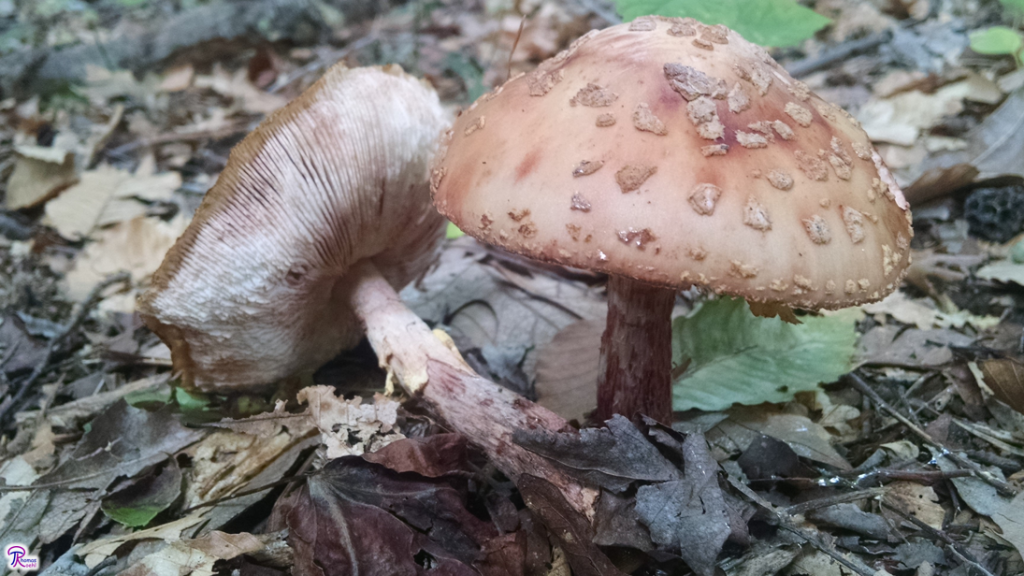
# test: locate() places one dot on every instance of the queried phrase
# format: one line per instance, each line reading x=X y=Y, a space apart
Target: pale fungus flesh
x=732 y=176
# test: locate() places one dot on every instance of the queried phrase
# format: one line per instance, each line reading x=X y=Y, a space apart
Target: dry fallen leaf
x=1006 y=379
x=39 y=175
x=923 y=313
x=568 y=369
x=178 y=78
x=919 y=501
x=901 y=118
x=106 y=196
x=238 y=86
x=339 y=420
x=76 y=211
x=197 y=557
x=244 y=456
x=136 y=246
x=98 y=550
x=983 y=498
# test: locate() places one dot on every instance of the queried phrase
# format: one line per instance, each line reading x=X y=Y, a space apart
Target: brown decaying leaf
x=197 y=557
x=357 y=517
x=568 y=369
x=137 y=246
x=105 y=196
x=35 y=181
x=571 y=529
x=486 y=301
x=612 y=457
x=434 y=456
x=919 y=501
x=1006 y=379
x=98 y=550
x=995 y=147
x=122 y=442
x=350 y=426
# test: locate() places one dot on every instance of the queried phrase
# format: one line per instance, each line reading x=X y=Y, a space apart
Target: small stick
x=169 y=137
x=921 y=476
x=784 y=522
x=964 y=555
x=76 y=321
x=835 y=54
x=830 y=501
x=863 y=388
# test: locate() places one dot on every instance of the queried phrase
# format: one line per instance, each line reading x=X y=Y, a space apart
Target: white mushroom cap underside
x=735 y=177
x=248 y=294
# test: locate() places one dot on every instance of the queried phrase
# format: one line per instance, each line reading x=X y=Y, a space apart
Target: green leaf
x=738 y=358
x=453 y=232
x=137 y=505
x=469 y=71
x=765 y=22
x=997 y=40
x=1015 y=7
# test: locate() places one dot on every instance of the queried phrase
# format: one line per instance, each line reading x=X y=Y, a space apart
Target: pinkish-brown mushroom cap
x=249 y=294
x=679 y=154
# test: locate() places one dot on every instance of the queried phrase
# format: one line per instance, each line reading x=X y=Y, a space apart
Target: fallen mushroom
x=721 y=172
x=249 y=294
x=318 y=216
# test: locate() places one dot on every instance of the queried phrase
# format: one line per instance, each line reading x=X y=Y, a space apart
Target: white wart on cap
x=250 y=293
x=679 y=154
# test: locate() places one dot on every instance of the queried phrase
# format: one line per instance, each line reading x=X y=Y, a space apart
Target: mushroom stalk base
x=426 y=367
x=636 y=351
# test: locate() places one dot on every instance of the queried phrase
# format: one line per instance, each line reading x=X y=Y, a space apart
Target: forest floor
x=116 y=117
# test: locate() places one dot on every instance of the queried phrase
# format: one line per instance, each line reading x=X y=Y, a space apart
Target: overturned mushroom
x=750 y=185
x=318 y=216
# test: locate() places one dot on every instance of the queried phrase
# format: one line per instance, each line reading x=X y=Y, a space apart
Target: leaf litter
x=790 y=467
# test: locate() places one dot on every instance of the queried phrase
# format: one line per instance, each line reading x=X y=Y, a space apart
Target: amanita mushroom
x=318 y=216
x=672 y=154
x=250 y=293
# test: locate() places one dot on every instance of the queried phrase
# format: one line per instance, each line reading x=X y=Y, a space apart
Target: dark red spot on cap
x=527 y=165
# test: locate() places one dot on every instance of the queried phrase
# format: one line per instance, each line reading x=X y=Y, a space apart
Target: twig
x=808 y=535
x=323 y=61
x=863 y=388
x=103 y=565
x=927 y=477
x=169 y=137
x=836 y=53
x=215 y=501
x=830 y=501
x=963 y=554
x=57 y=342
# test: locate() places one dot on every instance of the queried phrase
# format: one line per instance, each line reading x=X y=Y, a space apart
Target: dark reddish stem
x=636 y=351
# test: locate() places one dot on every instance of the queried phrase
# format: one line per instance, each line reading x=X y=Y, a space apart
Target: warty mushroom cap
x=249 y=293
x=679 y=154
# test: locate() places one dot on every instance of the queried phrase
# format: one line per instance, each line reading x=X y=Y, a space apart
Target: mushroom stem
x=485 y=413
x=636 y=351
